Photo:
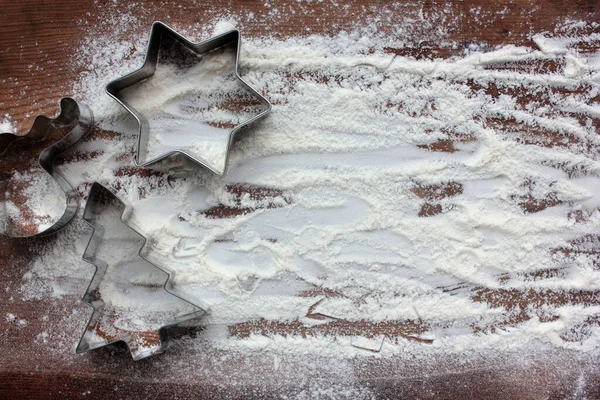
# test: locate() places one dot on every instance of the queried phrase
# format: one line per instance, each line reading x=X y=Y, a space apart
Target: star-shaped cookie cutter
x=49 y=137
x=147 y=70
x=142 y=342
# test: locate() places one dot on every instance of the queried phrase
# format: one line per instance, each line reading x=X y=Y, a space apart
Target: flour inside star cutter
x=133 y=300
x=188 y=98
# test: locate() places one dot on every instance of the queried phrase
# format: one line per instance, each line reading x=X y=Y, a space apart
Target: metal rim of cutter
x=99 y=195
x=148 y=69
x=81 y=119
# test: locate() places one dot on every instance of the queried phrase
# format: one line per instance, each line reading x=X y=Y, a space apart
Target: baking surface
x=38 y=43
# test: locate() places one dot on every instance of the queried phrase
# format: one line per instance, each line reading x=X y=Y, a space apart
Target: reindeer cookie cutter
x=49 y=137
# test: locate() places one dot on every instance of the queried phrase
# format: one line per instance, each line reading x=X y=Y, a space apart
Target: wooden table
x=37 y=40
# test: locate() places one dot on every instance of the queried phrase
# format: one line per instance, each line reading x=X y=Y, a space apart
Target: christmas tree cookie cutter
x=47 y=137
x=158 y=33
x=115 y=249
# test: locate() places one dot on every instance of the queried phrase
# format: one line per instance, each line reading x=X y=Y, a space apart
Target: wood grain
x=37 y=42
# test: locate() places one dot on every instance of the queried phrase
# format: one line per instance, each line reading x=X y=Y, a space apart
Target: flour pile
x=441 y=206
x=7 y=125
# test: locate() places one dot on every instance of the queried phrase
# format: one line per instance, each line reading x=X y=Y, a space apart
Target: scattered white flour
x=44 y=203
x=131 y=289
x=45 y=196
x=345 y=188
x=11 y=318
x=197 y=115
x=7 y=125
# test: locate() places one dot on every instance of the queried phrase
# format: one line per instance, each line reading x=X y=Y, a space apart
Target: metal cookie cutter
x=201 y=49
x=48 y=137
x=132 y=299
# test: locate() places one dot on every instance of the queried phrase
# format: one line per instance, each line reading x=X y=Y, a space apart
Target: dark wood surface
x=37 y=42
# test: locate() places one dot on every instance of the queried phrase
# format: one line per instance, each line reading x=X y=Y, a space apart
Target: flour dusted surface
x=7 y=125
x=430 y=195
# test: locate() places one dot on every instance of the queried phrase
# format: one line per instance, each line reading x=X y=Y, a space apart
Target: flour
x=45 y=197
x=198 y=115
x=7 y=125
x=20 y=322
x=132 y=289
x=44 y=201
x=354 y=133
